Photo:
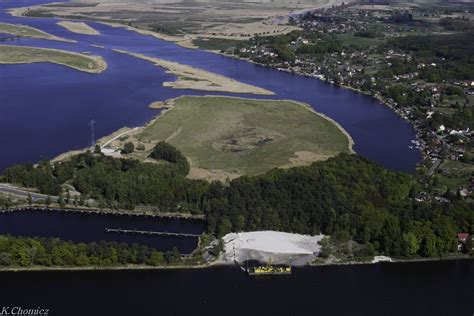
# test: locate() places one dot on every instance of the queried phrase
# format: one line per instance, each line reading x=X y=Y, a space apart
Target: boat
x=269 y=270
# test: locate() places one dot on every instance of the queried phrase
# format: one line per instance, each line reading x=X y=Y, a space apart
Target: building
x=462 y=240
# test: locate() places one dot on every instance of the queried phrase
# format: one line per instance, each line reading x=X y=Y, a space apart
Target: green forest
x=347 y=197
x=50 y=252
x=455 y=51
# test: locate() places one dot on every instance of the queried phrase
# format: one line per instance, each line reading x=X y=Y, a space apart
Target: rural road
x=10 y=190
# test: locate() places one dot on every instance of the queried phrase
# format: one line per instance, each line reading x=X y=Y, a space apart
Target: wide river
x=45 y=110
x=401 y=289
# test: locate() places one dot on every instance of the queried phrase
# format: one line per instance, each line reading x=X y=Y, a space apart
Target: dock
x=149 y=232
x=105 y=212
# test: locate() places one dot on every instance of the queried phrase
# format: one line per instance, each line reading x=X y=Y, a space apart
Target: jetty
x=149 y=232
x=106 y=212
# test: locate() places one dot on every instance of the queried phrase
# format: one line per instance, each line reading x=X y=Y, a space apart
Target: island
x=227 y=137
x=199 y=79
x=30 y=32
x=10 y=54
x=78 y=27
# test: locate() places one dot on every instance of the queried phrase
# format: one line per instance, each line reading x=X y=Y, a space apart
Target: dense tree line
x=399 y=17
x=116 y=183
x=26 y=251
x=347 y=197
x=40 y=177
x=166 y=152
x=455 y=50
x=327 y=46
x=457 y=24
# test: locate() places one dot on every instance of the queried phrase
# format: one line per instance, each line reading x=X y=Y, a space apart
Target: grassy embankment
x=24 y=55
x=229 y=137
x=30 y=32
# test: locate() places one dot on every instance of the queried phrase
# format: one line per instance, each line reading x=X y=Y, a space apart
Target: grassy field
x=26 y=31
x=455 y=174
x=216 y=43
x=351 y=40
x=233 y=136
x=24 y=55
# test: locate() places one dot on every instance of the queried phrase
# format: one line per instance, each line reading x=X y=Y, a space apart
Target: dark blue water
x=45 y=108
x=89 y=227
x=432 y=288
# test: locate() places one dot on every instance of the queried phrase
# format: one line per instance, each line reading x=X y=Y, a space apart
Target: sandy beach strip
x=78 y=27
x=198 y=79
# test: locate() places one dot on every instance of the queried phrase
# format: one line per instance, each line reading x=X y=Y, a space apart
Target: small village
x=358 y=47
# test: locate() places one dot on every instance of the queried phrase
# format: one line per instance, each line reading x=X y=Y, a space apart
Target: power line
x=91 y=124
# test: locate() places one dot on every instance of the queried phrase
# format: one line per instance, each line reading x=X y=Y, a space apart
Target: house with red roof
x=462 y=240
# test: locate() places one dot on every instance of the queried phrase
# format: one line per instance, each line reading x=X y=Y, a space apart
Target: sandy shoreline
x=198 y=79
x=78 y=27
x=184 y=41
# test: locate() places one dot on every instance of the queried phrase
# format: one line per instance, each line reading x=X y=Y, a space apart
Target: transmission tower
x=91 y=124
x=212 y=164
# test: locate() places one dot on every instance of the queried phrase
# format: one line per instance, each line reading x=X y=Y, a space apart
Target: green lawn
x=245 y=136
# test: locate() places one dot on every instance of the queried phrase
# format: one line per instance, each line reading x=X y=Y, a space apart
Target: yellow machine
x=269 y=269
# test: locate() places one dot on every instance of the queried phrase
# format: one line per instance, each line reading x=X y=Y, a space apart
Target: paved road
x=10 y=190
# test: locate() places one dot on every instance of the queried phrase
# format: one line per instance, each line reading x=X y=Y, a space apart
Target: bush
x=128 y=148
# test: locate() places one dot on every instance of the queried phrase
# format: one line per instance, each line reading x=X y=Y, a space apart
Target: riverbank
x=391 y=261
x=211 y=265
x=104 y=211
x=98 y=268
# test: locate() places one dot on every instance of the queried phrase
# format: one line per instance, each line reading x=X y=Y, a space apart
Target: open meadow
x=229 y=137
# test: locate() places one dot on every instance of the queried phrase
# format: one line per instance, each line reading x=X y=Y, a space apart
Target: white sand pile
x=266 y=246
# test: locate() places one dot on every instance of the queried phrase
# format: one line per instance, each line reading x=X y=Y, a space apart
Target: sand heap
x=277 y=247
